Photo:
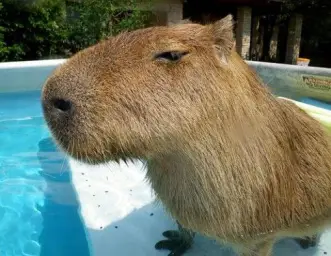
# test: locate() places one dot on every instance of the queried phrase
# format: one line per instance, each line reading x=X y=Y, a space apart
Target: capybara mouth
x=87 y=151
x=77 y=133
x=83 y=141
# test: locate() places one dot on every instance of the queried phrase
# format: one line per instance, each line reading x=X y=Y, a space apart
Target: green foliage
x=39 y=29
x=2 y=43
x=95 y=20
x=31 y=31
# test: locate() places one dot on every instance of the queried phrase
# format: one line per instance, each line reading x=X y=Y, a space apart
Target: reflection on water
x=63 y=232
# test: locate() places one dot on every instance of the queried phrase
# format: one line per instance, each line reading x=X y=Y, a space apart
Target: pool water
x=39 y=211
x=316 y=103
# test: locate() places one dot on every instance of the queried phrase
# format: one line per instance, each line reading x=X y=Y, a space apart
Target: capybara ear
x=223 y=36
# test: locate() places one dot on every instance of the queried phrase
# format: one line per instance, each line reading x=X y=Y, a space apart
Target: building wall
x=243 y=31
x=294 y=39
x=171 y=12
x=166 y=12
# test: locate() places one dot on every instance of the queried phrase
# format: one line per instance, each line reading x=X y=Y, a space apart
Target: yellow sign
x=317 y=82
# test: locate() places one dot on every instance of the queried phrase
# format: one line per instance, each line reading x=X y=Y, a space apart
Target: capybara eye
x=171 y=55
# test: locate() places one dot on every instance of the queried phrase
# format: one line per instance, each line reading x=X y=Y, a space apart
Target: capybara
x=225 y=157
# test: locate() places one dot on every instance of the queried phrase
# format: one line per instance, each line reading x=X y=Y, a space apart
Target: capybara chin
x=225 y=157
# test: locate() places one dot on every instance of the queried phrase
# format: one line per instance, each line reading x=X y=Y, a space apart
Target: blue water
x=39 y=211
x=316 y=103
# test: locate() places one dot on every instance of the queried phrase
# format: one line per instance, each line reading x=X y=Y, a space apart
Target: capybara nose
x=62 y=105
x=57 y=108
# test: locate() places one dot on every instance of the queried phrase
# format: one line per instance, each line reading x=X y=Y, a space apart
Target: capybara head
x=138 y=93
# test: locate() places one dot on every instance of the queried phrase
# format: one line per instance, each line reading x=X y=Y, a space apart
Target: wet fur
x=225 y=157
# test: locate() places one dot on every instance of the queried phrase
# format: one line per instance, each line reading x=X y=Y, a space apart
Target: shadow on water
x=63 y=229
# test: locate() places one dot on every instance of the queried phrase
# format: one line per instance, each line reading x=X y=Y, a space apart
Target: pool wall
x=284 y=80
x=26 y=75
x=294 y=81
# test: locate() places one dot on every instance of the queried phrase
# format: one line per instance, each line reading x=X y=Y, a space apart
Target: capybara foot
x=177 y=243
x=307 y=241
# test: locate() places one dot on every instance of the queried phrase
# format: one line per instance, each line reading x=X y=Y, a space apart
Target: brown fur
x=225 y=157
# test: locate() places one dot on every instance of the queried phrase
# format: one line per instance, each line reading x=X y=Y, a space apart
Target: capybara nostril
x=62 y=105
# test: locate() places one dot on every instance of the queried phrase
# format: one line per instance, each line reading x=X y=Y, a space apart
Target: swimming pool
x=53 y=206
x=39 y=211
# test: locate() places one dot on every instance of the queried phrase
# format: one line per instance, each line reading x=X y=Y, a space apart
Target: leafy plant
x=31 y=30
x=39 y=29
x=95 y=20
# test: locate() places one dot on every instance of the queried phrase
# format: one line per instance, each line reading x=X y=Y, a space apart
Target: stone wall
x=243 y=31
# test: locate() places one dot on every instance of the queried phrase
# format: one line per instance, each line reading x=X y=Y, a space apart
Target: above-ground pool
x=39 y=210
x=51 y=205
